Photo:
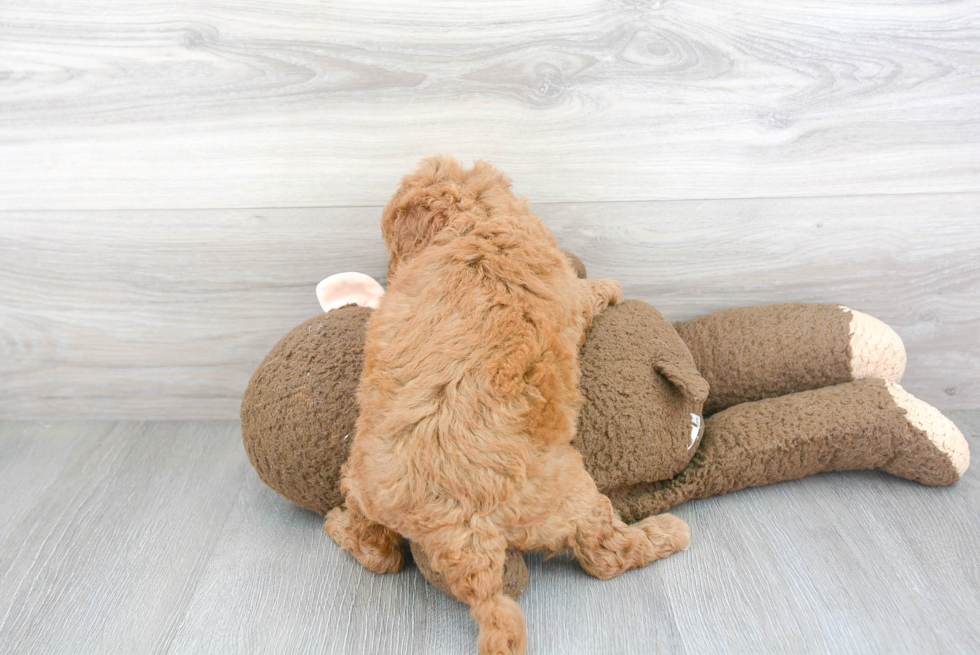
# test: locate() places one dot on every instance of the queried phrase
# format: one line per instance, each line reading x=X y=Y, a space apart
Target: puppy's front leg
x=596 y=296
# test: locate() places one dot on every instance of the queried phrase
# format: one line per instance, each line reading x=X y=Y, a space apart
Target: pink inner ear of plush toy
x=349 y=288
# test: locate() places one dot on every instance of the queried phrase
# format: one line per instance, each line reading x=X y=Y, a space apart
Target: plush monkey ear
x=683 y=376
x=349 y=289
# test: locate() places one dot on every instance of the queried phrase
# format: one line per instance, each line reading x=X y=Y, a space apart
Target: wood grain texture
x=33 y=458
x=209 y=104
x=113 y=544
x=274 y=584
x=158 y=537
x=166 y=314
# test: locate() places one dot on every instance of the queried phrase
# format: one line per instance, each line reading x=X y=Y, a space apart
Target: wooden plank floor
x=158 y=537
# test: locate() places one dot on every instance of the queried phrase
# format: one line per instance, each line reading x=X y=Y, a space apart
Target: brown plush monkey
x=786 y=391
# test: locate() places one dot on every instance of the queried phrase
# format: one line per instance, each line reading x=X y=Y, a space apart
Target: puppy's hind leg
x=375 y=546
x=473 y=564
x=604 y=545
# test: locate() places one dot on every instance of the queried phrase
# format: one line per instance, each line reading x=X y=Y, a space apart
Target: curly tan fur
x=469 y=402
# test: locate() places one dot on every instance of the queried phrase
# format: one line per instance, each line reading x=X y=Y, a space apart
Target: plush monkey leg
x=750 y=353
x=863 y=424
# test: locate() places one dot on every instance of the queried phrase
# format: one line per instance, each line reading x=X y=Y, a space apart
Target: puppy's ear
x=426 y=201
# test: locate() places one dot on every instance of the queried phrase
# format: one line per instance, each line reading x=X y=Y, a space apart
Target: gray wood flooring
x=140 y=537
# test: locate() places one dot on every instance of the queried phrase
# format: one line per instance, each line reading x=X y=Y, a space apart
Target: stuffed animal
x=785 y=391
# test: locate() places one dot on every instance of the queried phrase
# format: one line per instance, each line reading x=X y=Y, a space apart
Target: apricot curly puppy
x=469 y=402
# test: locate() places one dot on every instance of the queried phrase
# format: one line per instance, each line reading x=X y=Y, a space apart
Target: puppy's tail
x=502 y=629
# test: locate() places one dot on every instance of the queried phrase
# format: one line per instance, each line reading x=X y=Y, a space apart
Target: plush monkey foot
x=934 y=451
x=863 y=424
x=875 y=350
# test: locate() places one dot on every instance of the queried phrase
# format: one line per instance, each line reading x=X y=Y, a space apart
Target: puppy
x=469 y=401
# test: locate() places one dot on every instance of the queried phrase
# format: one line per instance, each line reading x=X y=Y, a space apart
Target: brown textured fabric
x=301 y=404
x=749 y=353
x=516 y=575
x=641 y=389
x=855 y=425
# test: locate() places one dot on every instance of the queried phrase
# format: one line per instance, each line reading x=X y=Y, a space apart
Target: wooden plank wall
x=175 y=179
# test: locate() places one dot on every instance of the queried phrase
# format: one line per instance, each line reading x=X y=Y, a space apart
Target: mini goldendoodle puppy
x=469 y=402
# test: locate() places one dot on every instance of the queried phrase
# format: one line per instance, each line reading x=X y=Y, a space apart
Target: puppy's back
x=471 y=357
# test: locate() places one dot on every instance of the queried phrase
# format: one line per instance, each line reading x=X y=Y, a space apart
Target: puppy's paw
x=604 y=293
x=374 y=546
x=667 y=533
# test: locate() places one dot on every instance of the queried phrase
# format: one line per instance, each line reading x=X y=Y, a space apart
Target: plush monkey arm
x=863 y=424
x=750 y=353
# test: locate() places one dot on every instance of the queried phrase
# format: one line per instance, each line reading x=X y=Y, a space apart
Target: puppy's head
x=437 y=195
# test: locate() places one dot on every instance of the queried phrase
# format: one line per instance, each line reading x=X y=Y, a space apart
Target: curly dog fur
x=469 y=402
